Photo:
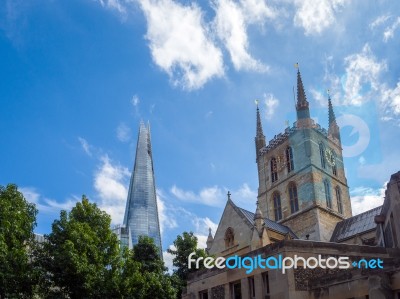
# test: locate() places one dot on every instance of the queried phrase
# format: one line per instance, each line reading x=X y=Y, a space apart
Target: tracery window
x=322 y=154
x=339 y=199
x=294 y=200
x=277 y=206
x=274 y=170
x=229 y=237
x=327 y=194
x=289 y=159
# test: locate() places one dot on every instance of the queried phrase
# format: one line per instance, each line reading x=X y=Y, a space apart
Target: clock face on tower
x=330 y=156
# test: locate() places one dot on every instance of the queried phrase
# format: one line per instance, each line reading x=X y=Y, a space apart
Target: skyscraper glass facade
x=141 y=213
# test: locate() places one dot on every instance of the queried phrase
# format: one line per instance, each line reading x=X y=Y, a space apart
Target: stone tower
x=141 y=213
x=302 y=183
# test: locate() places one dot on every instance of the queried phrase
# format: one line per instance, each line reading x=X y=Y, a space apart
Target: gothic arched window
x=274 y=170
x=334 y=169
x=277 y=206
x=229 y=237
x=327 y=194
x=339 y=199
x=322 y=154
x=294 y=200
x=289 y=159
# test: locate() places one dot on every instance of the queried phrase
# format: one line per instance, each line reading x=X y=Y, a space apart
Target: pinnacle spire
x=258 y=214
x=332 y=117
x=333 y=129
x=259 y=125
x=260 y=137
x=302 y=105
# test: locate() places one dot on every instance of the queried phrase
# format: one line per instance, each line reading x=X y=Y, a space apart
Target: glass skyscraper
x=141 y=213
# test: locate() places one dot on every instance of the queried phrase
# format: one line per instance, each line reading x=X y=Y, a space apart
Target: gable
x=242 y=228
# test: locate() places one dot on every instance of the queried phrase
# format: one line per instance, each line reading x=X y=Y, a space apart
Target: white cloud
x=231 y=26
x=210 y=196
x=179 y=43
x=30 y=194
x=66 y=205
x=201 y=226
x=110 y=182
x=379 y=21
x=135 y=100
x=168 y=259
x=389 y=31
x=46 y=205
x=166 y=218
x=257 y=11
x=85 y=146
x=114 y=5
x=271 y=103
x=361 y=69
x=215 y=196
x=123 y=132
x=316 y=16
x=391 y=99
x=365 y=198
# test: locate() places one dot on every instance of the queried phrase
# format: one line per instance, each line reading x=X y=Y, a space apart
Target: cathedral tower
x=141 y=213
x=302 y=183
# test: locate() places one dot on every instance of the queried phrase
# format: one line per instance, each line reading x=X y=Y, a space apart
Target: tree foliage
x=143 y=274
x=17 y=221
x=184 y=246
x=81 y=256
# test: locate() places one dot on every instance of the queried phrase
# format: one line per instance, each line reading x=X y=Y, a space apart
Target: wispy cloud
x=361 y=69
x=135 y=101
x=123 y=132
x=316 y=16
x=231 y=26
x=271 y=103
x=85 y=146
x=390 y=30
x=167 y=219
x=379 y=21
x=210 y=196
x=215 y=196
x=391 y=99
x=111 y=182
x=114 y=5
x=168 y=259
x=46 y=205
x=258 y=11
x=30 y=194
x=180 y=44
x=366 y=198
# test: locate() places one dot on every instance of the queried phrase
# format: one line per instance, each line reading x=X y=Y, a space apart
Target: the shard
x=141 y=213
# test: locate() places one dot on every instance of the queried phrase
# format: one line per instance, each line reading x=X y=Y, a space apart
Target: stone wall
x=242 y=232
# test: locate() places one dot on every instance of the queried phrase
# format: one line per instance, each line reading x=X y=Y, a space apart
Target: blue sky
x=76 y=78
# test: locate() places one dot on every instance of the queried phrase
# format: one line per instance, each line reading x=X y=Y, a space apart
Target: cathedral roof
x=355 y=225
x=283 y=229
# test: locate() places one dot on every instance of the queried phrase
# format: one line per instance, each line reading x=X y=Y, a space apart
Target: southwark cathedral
x=303 y=208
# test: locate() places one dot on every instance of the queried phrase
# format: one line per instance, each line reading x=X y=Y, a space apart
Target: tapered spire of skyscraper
x=302 y=105
x=260 y=138
x=141 y=213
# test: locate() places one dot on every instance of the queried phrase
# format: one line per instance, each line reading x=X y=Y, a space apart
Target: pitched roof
x=355 y=225
x=283 y=229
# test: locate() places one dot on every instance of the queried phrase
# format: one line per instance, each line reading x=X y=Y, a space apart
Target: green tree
x=143 y=274
x=17 y=221
x=184 y=246
x=81 y=257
